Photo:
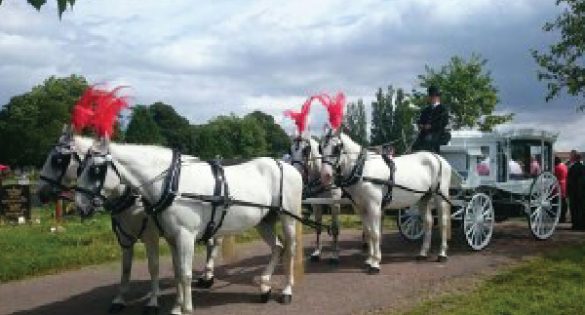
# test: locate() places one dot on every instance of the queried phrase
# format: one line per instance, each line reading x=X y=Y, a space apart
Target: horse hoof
x=373 y=270
x=315 y=258
x=150 y=310
x=442 y=259
x=421 y=258
x=334 y=261
x=203 y=283
x=116 y=308
x=265 y=297
x=286 y=299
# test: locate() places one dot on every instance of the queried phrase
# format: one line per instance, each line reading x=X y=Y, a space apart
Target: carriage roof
x=470 y=141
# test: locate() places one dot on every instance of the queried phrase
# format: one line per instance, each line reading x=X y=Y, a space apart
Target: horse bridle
x=304 y=162
x=62 y=161
x=336 y=154
x=97 y=172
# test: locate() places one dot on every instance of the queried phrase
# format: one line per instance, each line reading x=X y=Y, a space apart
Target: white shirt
x=514 y=168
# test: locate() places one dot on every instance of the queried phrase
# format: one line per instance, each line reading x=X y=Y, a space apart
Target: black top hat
x=433 y=90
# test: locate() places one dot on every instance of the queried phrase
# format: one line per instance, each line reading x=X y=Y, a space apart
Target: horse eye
x=96 y=171
x=57 y=160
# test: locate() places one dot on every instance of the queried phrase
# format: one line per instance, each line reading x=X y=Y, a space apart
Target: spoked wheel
x=478 y=221
x=410 y=223
x=544 y=205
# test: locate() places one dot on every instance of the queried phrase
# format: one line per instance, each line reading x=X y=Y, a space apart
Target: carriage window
x=483 y=162
x=529 y=158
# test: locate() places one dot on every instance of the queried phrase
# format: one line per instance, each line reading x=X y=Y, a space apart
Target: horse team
x=153 y=191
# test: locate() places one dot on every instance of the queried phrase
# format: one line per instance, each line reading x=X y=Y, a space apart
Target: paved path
x=325 y=289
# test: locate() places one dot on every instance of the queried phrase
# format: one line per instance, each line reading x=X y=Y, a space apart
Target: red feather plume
x=335 y=107
x=300 y=118
x=108 y=106
x=98 y=108
x=84 y=110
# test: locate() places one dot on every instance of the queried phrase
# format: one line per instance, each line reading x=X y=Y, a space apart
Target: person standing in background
x=561 y=172
x=576 y=192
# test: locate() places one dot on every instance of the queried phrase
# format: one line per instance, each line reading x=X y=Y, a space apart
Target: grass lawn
x=550 y=284
x=32 y=249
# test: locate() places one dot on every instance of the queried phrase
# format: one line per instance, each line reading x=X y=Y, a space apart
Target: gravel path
x=325 y=289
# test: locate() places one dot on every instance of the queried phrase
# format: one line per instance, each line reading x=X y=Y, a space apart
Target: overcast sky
x=208 y=58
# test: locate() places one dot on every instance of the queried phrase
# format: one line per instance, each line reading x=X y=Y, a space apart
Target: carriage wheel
x=478 y=221
x=544 y=205
x=410 y=223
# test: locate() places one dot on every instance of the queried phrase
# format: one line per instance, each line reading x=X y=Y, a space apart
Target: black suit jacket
x=576 y=180
x=436 y=116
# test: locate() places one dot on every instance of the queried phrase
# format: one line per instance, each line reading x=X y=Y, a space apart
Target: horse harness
x=356 y=174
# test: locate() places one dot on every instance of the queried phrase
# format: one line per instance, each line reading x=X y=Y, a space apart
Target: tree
x=61 y=5
x=563 y=65
x=382 y=117
x=403 y=125
x=277 y=141
x=174 y=128
x=142 y=129
x=31 y=123
x=355 y=121
x=467 y=90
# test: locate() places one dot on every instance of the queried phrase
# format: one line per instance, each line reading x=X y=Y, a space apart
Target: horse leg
x=289 y=229
x=186 y=250
x=152 y=250
x=335 y=210
x=374 y=221
x=267 y=232
x=176 y=310
x=118 y=304
x=212 y=247
x=443 y=206
x=367 y=243
x=316 y=255
x=424 y=208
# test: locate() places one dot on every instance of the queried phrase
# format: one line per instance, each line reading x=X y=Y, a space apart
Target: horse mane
x=348 y=143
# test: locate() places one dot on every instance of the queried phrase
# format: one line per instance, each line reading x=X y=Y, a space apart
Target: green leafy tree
x=31 y=123
x=142 y=129
x=61 y=5
x=467 y=90
x=174 y=128
x=403 y=131
x=277 y=141
x=563 y=65
x=382 y=117
x=355 y=122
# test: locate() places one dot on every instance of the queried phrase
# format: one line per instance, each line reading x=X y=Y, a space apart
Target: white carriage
x=497 y=175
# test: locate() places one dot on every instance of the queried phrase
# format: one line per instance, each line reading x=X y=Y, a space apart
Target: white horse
x=262 y=181
x=419 y=178
x=131 y=224
x=306 y=158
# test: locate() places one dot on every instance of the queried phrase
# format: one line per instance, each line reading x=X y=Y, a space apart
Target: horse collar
x=356 y=173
